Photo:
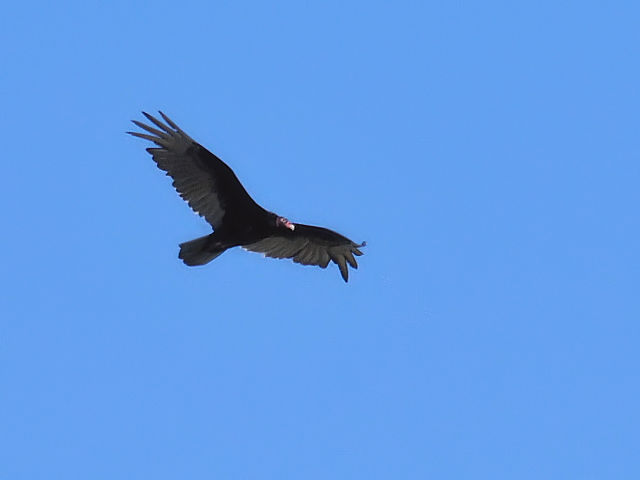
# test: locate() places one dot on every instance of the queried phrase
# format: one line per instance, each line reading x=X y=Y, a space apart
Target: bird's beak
x=290 y=226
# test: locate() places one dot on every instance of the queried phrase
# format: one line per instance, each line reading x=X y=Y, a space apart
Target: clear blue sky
x=488 y=152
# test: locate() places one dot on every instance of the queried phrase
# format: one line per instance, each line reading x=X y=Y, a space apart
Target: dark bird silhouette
x=214 y=192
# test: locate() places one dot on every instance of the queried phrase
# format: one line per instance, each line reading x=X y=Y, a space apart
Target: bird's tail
x=199 y=251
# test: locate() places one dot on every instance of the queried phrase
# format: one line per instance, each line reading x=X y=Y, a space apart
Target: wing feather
x=309 y=245
x=352 y=261
x=204 y=181
x=149 y=129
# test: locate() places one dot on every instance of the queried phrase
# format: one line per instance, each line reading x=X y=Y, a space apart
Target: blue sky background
x=487 y=151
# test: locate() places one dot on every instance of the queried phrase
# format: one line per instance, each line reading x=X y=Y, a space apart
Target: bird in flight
x=214 y=192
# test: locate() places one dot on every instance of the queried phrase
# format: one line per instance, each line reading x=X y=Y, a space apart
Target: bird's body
x=214 y=192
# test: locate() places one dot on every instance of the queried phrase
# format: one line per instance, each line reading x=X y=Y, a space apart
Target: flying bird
x=214 y=192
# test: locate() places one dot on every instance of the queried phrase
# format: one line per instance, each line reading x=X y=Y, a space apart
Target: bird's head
x=283 y=222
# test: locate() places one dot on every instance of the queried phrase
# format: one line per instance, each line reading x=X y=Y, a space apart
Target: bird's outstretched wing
x=208 y=185
x=309 y=245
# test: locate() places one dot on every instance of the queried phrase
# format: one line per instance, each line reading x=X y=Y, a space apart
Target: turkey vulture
x=214 y=192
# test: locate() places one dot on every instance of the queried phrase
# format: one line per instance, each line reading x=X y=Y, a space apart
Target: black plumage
x=214 y=192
